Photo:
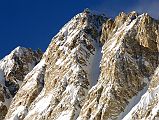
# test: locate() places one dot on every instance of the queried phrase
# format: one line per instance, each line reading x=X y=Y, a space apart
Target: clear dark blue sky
x=32 y=23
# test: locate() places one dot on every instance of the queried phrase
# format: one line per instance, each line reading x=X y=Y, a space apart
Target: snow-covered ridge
x=13 y=69
x=32 y=86
x=7 y=63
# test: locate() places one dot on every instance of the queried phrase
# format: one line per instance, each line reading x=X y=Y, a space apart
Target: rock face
x=95 y=68
x=148 y=107
x=13 y=69
x=130 y=57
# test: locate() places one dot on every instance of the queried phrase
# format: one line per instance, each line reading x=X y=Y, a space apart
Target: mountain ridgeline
x=95 y=68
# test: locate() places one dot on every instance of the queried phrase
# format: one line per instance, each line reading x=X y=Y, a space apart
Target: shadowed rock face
x=95 y=68
x=13 y=69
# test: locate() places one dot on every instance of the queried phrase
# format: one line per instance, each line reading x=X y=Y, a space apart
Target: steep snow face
x=95 y=65
x=13 y=69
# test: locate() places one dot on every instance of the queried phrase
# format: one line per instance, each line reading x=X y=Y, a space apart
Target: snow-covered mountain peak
x=95 y=68
x=19 y=51
x=82 y=21
x=13 y=69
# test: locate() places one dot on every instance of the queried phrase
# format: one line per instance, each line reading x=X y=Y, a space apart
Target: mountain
x=95 y=68
x=130 y=57
x=13 y=68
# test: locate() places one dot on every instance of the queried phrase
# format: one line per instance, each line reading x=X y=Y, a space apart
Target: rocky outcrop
x=95 y=68
x=13 y=69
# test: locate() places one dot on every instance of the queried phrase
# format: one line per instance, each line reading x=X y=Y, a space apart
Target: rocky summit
x=95 y=68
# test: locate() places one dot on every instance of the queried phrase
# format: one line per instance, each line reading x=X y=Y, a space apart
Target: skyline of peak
x=33 y=24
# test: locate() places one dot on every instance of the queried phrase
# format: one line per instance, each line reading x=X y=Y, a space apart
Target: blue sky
x=32 y=23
